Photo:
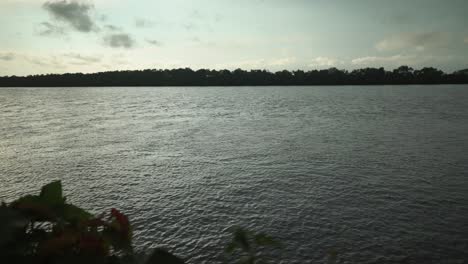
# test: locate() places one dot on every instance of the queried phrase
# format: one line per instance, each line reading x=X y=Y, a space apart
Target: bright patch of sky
x=56 y=36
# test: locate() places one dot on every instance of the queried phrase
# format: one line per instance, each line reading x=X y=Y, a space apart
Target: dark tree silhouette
x=238 y=77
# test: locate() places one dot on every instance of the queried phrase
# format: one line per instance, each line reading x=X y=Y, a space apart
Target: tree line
x=239 y=77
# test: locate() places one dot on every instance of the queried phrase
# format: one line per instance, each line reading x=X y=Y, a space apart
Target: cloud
x=190 y=26
x=112 y=28
x=382 y=59
x=74 y=13
x=7 y=56
x=283 y=61
x=418 y=41
x=325 y=62
x=195 y=39
x=120 y=40
x=401 y=59
x=249 y=64
x=25 y=63
x=116 y=38
x=78 y=59
x=50 y=61
x=275 y=63
x=218 y=17
x=48 y=29
x=143 y=23
x=154 y=42
x=195 y=14
x=399 y=19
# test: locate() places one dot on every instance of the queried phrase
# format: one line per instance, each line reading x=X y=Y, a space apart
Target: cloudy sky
x=40 y=36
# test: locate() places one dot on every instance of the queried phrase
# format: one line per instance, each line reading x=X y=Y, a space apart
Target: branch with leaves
x=46 y=229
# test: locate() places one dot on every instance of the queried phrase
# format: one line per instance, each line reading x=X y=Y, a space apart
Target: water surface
x=375 y=173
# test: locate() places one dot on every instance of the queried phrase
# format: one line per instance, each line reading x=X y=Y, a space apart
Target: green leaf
x=247 y=260
x=74 y=213
x=34 y=207
x=240 y=237
x=265 y=240
x=161 y=256
x=29 y=199
x=332 y=256
x=11 y=222
x=116 y=240
x=52 y=193
x=230 y=247
x=57 y=244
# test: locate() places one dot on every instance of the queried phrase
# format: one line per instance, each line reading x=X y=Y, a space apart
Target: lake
x=378 y=174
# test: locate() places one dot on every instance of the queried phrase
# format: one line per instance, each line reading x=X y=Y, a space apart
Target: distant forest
x=204 y=77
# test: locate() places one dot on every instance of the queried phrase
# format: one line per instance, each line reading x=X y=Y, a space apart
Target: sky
x=58 y=36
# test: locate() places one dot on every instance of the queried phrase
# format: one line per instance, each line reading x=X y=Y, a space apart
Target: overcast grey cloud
x=154 y=42
x=380 y=60
x=144 y=23
x=6 y=56
x=49 y=29
x=79 y=59
x=181 y=33
x=325 y=62
x=418 y=41
x=52 y=61
x=120 y=40
x=112 y=28
x=76 y=14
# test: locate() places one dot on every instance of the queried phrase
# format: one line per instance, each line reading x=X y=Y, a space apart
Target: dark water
x=378 y=174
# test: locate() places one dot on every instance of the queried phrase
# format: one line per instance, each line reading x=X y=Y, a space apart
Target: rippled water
x=378 y=174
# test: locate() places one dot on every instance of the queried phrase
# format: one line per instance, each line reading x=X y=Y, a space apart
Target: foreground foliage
x=46 y=229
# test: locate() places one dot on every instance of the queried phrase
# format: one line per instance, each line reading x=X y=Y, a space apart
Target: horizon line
x=234 y=69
